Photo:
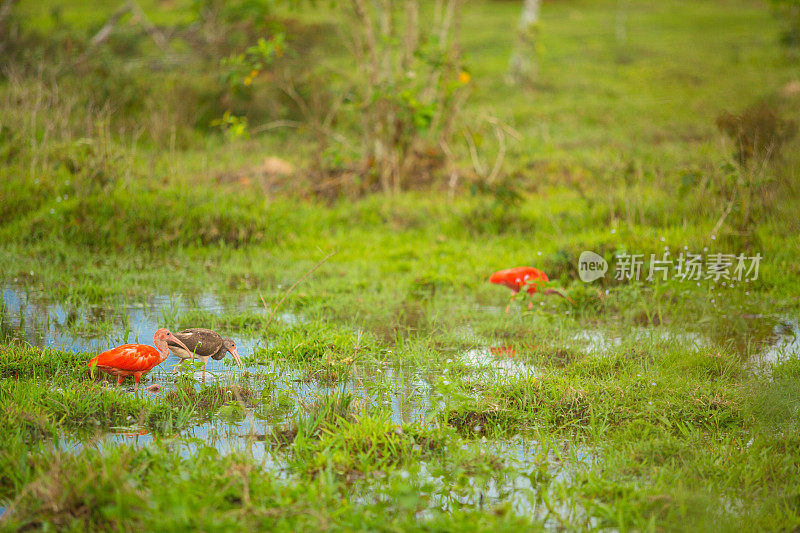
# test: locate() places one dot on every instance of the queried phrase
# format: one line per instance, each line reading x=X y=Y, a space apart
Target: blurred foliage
x=83 y=121
x=759 y=132
x=789 y=13
x=233 y=126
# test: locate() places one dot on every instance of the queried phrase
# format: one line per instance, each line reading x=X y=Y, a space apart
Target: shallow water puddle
x=497 y=361
x=764 y=350
x=250 y=430
x=785 y=343
x=596 y=341
x=525 y=473
x=782 y=343
x=27 y=317
x=30 y=318
x=246 y=437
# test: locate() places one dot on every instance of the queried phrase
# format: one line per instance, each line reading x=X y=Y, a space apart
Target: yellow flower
x=253 y=73
x=463 y=76
x=248 y=80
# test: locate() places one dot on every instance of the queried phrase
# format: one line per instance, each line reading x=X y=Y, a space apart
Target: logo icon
x=591 y=266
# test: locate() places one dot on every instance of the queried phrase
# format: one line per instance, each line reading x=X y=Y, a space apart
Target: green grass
x=362 y=410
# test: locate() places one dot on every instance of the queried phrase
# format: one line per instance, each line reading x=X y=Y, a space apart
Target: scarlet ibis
x=135 y=359
x=525 y=277
x=203 y=344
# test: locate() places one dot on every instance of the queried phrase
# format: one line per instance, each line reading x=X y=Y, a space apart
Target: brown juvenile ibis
x=136 y=359
x=202 y=344
x=529 y=278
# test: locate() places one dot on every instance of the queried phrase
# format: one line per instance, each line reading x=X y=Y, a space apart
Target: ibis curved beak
x=236 y=358
x=173 y=340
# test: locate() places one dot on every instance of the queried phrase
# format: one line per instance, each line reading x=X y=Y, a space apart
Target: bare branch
x=148 y=26
x=501 y=154
x=473 y=153
x=133 y=7
x=101 y=36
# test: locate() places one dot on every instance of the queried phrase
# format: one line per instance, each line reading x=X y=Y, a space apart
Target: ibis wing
x=200 y=341
x=130 y=357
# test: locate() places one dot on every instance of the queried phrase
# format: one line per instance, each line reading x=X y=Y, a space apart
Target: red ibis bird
x=202 y=344
x=529 y=278
x=135 y=359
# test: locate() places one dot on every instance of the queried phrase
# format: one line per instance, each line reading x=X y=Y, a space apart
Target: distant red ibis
x=503 y=351
x=529 y=278
x=202 y=344
x=135 y=359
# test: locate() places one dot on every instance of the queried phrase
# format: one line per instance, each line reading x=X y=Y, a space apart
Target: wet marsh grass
x=698 y=406
x=337 y=434
x=22 y=361
x=328 y=375
x=208 y=398
x=358 y=447
x=96 y=490
x=246 y=322
x=318 y=341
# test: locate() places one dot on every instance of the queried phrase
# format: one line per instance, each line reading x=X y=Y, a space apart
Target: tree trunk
x=522 y=68
x=5 y=12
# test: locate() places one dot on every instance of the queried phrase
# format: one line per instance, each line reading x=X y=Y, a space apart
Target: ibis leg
x=178 y=365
